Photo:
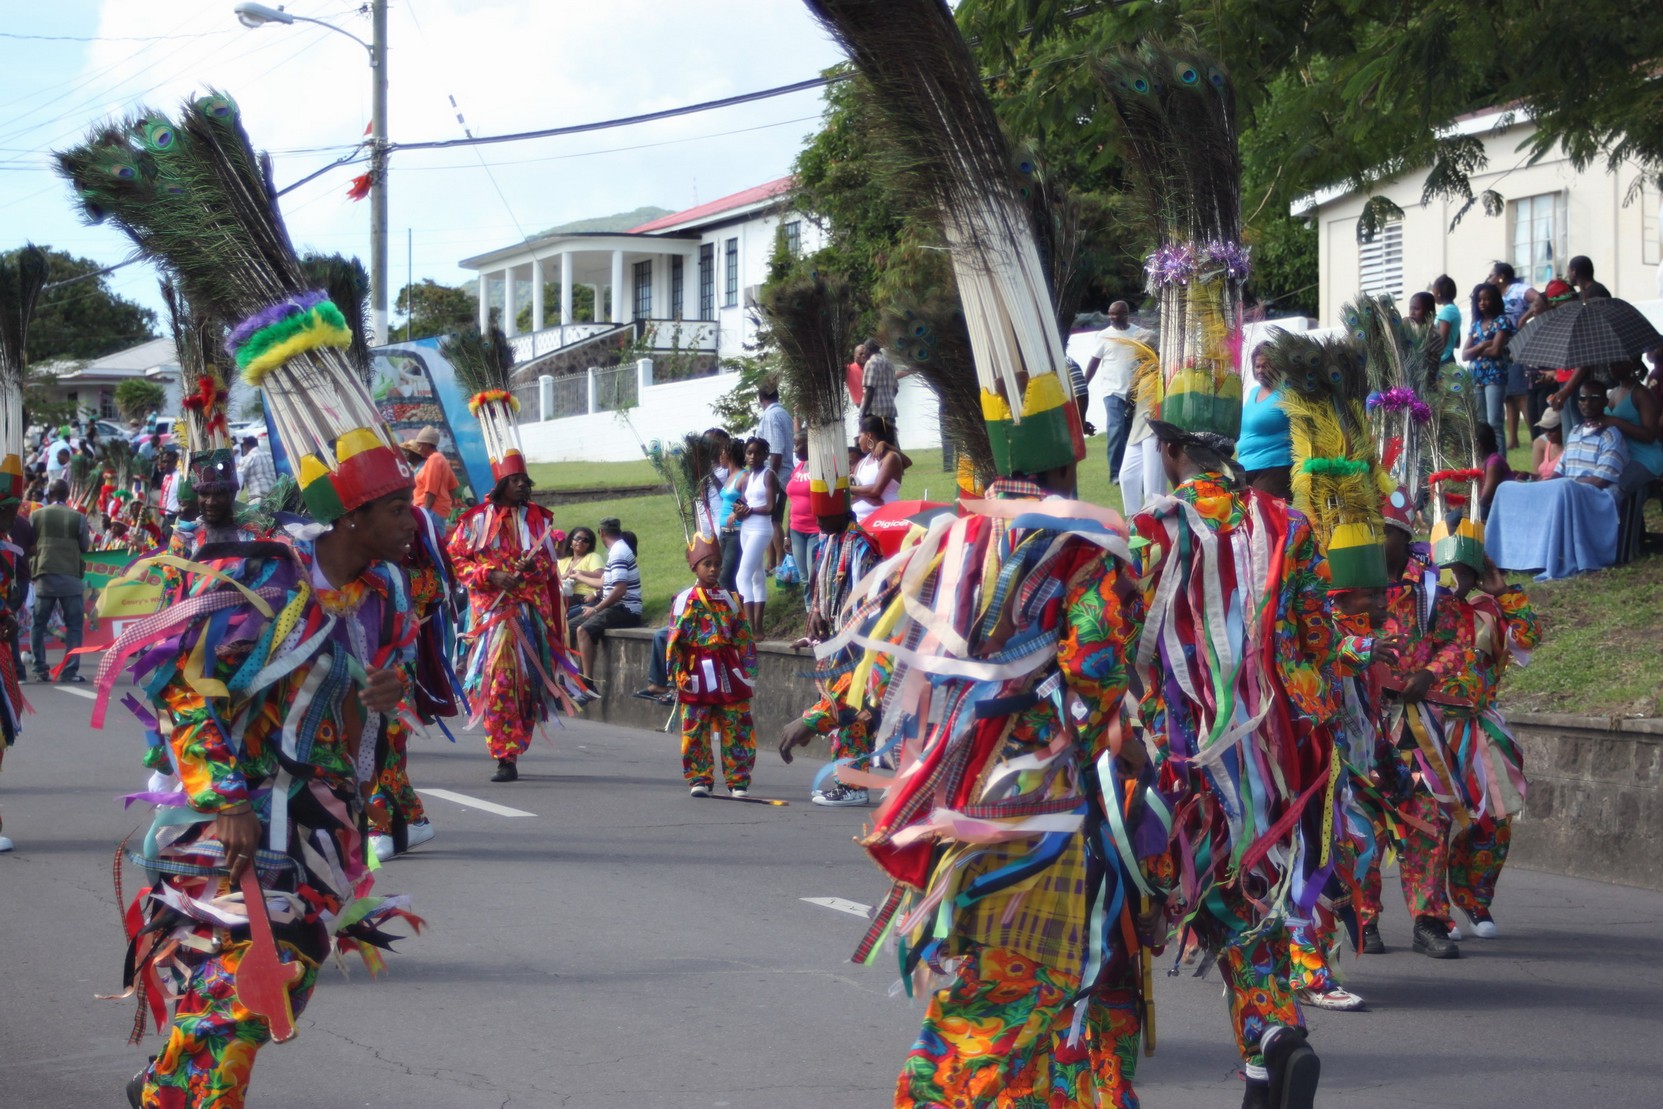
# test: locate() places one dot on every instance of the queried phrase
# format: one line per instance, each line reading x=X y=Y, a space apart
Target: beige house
x=1551 y=213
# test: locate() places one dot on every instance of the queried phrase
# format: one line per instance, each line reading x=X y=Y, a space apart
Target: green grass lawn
x=1598 y=655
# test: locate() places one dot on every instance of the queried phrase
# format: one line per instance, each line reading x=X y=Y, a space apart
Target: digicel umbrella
x=889 y=525
x=1584 y=333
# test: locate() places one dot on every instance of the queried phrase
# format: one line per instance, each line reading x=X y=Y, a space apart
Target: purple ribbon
x=265 y=317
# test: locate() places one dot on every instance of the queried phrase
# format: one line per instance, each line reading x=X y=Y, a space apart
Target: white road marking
x=853 y=908
x=474 y=802
x=77 y=691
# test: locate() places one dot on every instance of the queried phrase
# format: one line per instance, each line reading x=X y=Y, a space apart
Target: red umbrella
x=889 y=525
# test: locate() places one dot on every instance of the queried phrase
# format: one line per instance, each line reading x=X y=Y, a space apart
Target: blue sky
x=512 y=66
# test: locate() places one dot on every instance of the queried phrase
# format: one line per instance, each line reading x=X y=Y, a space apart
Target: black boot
x=1432 y=939
x=1257 y=1094
x=1294 y=1068
x=506 y=771
x=1372 y=943
x=135 y=1086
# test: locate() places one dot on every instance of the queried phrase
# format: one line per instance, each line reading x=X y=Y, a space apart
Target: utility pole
x=378 y=175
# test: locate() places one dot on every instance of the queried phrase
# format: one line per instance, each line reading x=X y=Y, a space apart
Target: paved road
x=623 y=945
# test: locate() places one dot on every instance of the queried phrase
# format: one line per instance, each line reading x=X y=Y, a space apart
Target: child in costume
x=711 y=662
x=1490 y=623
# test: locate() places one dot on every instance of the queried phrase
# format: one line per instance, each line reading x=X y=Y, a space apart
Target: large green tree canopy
x=83 y=319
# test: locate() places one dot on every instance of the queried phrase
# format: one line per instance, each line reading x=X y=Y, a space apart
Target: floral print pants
x=393 y=791
x=507 y=719
x=210 y=1049
x=727 y=727
x=827 y=716
x=1476 y=856
x=1256 y=972
x=1423 y=859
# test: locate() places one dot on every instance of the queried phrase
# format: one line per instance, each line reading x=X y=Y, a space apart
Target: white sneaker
x=699 y=791
x=382 y=846
x=1454 y=931
x=1483 y=929
x=417 y=833
x=740 y=792
x=5 y=845
x=1336 y=999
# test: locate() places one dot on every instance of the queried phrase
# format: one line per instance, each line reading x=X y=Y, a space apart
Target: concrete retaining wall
x=1595 y=807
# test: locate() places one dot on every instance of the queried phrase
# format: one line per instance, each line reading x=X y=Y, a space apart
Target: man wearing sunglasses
x=1595 y=453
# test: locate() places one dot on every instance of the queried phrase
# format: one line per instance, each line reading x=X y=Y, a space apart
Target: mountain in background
x=622 y=221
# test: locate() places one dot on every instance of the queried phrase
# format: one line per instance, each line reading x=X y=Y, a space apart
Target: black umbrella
x=1584 y=333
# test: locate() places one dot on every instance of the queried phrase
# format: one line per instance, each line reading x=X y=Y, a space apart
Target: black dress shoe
x=1294 y=1069
x=1372 y=943
x=1432 y=939
x=506 y=771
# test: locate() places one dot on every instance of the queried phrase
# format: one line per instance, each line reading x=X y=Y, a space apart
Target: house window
x=1380 y=262
x=1651 y=225
x=643 y=290
x=678 y=285
x=730 y=291
x=707 y=281
x=794 y=238
x=1538 y=224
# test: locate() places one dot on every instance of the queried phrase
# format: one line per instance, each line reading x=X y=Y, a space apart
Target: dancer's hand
x=797 y=734
x=383 y=689
x=239 y=834
x=502 y=579
x=1388 y=649
x=1415 y=688
x=1494 y=582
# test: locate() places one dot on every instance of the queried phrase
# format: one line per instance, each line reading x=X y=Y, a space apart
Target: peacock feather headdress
x=1457 y=534
x=484 y=367
x=347 y=285
x=209 y=458
x=197 y=199
x=1177 y=116
x=1403 y=389
x=812 y=319
x=930 y=92
x=22 y=277
x=1337 y=478
x=685 y=467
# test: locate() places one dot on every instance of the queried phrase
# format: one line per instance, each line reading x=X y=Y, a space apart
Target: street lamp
x=258 y=15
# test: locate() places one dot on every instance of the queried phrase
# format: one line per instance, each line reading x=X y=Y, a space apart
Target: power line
x=115 y=38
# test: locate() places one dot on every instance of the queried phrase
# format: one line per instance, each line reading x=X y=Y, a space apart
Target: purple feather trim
x=1399 y=399
x=265 y=317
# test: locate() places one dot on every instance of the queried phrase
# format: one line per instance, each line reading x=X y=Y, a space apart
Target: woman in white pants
x=756 y=530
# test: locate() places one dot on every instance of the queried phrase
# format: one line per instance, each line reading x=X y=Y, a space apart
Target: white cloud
x=512 y=66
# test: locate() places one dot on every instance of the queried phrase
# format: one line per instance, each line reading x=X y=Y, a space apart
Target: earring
x=352 y=527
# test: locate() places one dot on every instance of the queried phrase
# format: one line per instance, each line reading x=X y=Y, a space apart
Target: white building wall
x=1597 y=224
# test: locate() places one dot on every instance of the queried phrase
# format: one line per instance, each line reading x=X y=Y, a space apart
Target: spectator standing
x=1517 y=298
x=1486 y=353
x=760 y=491
x=22 y=536
x=436 y=482
x=854 y=375
x=774 y=428
x=805 y=526
x=1579 y=272
x=879 y=383
x=876 y=481
x=619 y=603
x=57 y=453
x=1446 y=319
x=1117 y=357
x=1548 y=381
x=61 y=538
x=255 y=472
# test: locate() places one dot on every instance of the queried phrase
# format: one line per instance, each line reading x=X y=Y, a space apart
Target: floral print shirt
x=1490 y=371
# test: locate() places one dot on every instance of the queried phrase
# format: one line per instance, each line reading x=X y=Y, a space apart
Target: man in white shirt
x=56 y=468
x=1117 y=356
x=775 y=426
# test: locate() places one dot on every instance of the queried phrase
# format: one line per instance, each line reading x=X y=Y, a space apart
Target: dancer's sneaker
x=841 y=796
x=383 y=847
x=740 y=792
x=135 y=1085
x=699 y=791
x=1454 y=931
x=507 y=771
x=1335 y=999
x=1294 y=1068
x=1483 y=924
x=419 y=832
x=1372 y=943
x=1432 y=939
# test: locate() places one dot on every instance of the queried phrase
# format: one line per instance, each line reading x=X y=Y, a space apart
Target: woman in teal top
x=1447 y=318
x=1265 y=448
x=1634 y=412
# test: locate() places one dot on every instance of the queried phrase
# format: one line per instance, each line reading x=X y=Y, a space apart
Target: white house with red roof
x=684 y=280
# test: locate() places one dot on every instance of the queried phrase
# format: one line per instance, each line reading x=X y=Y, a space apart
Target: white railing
x=535 y=344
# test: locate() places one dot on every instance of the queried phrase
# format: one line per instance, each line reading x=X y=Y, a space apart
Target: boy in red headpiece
x=711 y=660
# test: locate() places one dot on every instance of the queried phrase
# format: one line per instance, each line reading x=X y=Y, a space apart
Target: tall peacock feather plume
x=1337 y=478
x=685 y=468
x=1176 y=110
x=22 y=277
x=484 y=365
x=196 y=198
x=1400 y=380
x=812 y=318
x=347 y=284
x=929 y=90
x=206 y=375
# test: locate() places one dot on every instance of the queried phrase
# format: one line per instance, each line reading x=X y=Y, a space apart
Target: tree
x=430 y=308
x=136 y=398
x=84 y=320
x=583 y=306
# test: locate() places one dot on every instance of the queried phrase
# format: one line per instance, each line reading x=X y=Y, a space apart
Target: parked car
x=256 y=428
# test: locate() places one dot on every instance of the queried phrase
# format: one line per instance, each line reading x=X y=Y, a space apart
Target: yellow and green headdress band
x=1049 y=434
x=366 y=468
x=274 y=335
x=1357 y=557
x=1463 y=543
x=12 y=482
x=1201 y=399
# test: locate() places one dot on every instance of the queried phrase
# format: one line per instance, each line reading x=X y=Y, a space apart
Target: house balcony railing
x=536 y=344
